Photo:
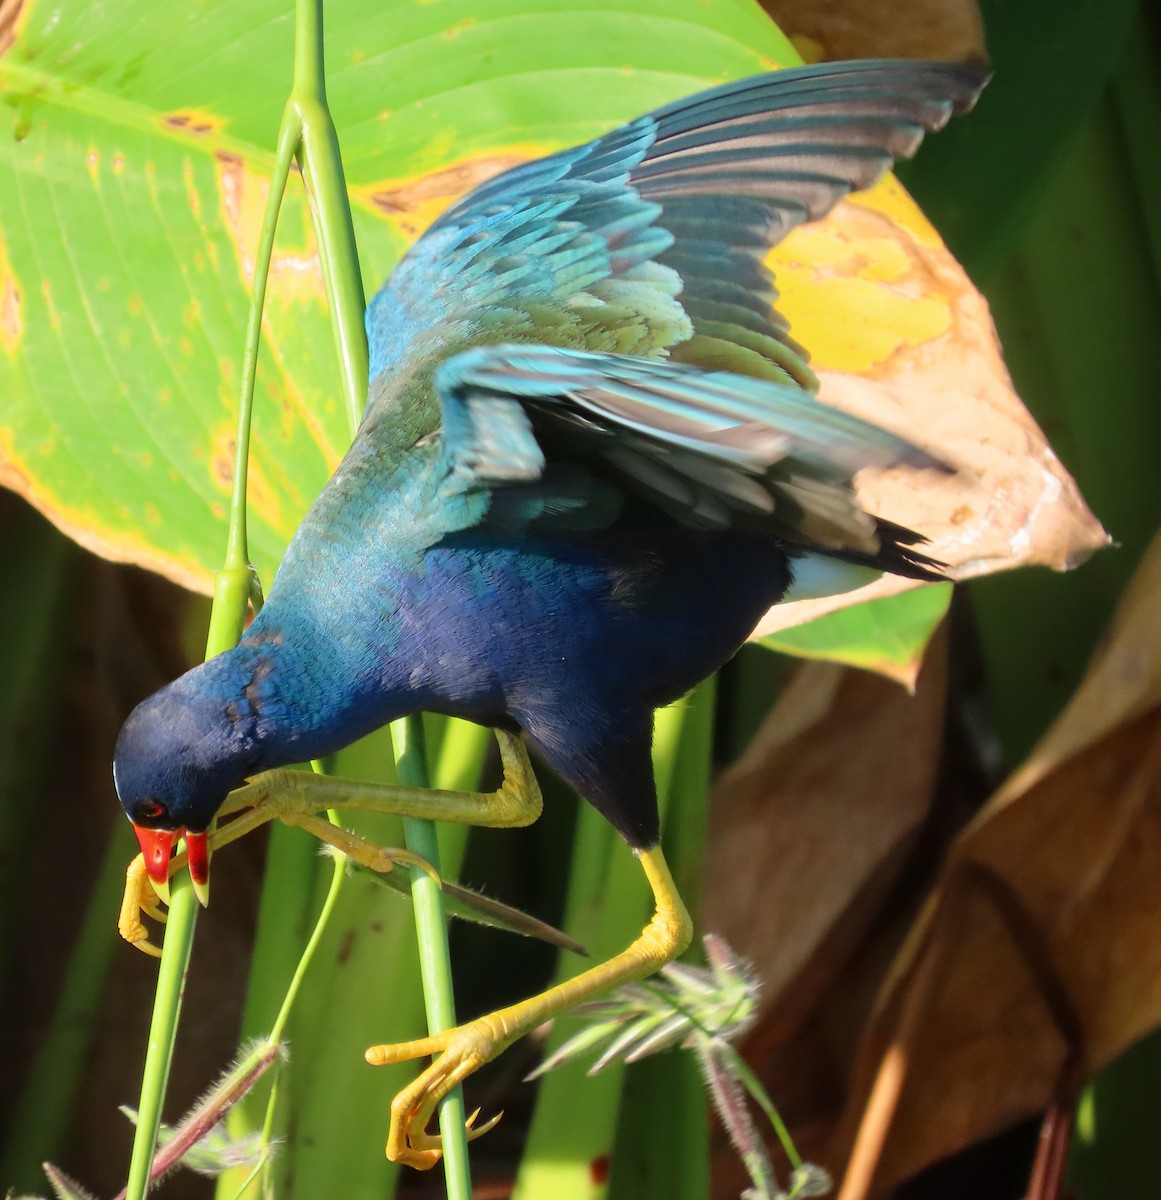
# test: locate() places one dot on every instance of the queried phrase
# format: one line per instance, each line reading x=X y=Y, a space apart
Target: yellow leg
x=286 y=794
x=295 y=797
x=464 y=1049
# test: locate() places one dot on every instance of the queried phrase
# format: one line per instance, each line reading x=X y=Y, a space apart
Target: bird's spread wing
x=653 y=237
x=560 y=437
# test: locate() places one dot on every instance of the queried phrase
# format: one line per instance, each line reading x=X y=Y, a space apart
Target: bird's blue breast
x=496 y=628
x=504 y=631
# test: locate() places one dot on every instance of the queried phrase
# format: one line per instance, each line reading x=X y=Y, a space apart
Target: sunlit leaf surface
x=887 y=635
x=134 y=145
x=135 y=139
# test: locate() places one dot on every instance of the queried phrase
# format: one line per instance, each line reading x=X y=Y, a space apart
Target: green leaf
x=134 y=143
x=886 y=635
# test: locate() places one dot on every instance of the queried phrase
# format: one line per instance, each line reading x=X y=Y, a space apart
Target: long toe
x=465 y=1050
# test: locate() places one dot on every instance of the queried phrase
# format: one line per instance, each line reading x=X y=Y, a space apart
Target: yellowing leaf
x=900 y=337
x=133 y=169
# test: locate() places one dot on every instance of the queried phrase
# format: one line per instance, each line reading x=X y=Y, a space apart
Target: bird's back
x=591 y=456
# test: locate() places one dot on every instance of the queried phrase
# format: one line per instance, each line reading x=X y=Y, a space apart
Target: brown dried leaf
x=901 y=338
x=831 y=29
x=811 y=826
x=1075 y=835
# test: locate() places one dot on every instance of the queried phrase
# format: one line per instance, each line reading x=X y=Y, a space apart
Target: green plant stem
x=761 y=1097
x=323 y=172
x=231 y=594
x=661 y=1146
x=289 y=132
x=434 y=957
x=608 y=901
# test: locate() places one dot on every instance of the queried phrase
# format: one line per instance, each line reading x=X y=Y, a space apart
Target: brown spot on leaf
x=230 y=183
x=453 y=31
x=413 y=204
x=222 y=457
x=451 y=182
x=295 y=273
x=189 y=181
x=10 y=13
x=195 y=121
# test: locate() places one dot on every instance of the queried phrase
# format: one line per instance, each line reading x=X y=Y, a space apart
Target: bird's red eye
x=150 y=810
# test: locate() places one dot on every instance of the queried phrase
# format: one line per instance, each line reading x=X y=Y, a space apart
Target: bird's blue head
x=178 y=755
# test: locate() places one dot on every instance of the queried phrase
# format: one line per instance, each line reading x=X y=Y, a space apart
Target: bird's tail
x=897 y=554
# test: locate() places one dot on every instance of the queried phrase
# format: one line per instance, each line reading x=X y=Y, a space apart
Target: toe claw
x=461 y=1051
x=487 y=1127
x=141 y=898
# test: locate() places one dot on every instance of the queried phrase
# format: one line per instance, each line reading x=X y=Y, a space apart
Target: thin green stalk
x=278 y=1028
x=761 y=1097
x=237 y=550
x=323 y=172
x=608 y=903
x=162 y=1033
x=434 y=956
x=662 y=1141
x=231 y=594
x=232 y=590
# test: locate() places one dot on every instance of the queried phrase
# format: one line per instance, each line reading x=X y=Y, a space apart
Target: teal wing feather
x=652 y=238
x=556 y=435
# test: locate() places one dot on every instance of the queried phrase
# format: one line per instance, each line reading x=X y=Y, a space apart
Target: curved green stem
x=237 y=550
x=308 y=131
x=326 y=187
x=233 y=587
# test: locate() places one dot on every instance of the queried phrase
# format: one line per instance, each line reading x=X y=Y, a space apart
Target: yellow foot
x=140 y=899
x=462 y=1051
x=466 y=1048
